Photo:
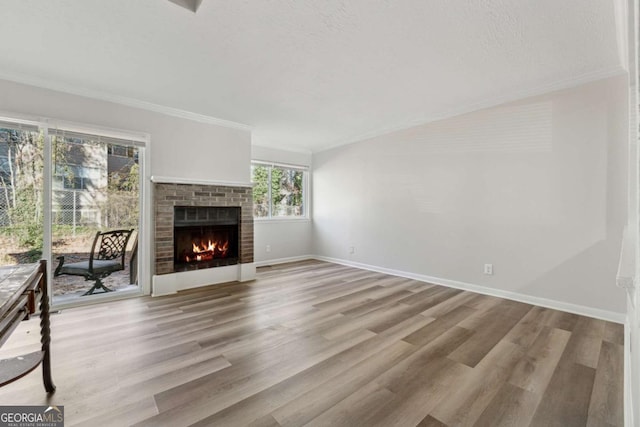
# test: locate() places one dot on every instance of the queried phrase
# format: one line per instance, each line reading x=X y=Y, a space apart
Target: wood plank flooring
x=314 y=343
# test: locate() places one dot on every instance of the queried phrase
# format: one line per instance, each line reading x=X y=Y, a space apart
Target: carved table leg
x=45 y=332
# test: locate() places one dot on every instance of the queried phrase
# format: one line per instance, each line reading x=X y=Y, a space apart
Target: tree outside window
x=279 y=191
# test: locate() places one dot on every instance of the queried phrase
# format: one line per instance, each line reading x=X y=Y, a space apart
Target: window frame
x=305 y=191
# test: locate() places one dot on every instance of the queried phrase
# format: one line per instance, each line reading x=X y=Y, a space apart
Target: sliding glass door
x=73 y=198
x=95 y=206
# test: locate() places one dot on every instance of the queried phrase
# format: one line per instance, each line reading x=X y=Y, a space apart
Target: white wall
x=300 y=158
x=536 y=187
x=288 y=239
x=633 y=297
x=633 y=301
x=179 y=147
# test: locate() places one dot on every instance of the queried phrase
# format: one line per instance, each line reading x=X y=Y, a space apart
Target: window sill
x=281 y=219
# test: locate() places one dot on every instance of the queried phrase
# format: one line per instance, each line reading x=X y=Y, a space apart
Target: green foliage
x=28 y=219
x=122 y=208
x=260 y=178
x=125 y=180
x=26 y=183
x=261 y=182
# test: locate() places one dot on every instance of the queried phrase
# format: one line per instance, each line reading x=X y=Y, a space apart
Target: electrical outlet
x=352 y=250
x=488 y=269
x=268 y=249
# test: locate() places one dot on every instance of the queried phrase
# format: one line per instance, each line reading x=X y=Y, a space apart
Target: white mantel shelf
x=174 y=180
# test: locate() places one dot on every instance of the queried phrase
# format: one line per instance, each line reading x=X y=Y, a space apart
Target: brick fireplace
x=171 y=197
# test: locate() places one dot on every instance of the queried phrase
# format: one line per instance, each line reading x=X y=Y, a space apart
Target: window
x=74 y=177
x=122 y=151
x=279 y=191
x=68 y=182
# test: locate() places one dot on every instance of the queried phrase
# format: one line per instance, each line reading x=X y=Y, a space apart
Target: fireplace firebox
x=205 y=237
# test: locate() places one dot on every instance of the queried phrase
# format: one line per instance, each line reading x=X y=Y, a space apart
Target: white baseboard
x=284 y=260
x=628 y=392
x=529 y=299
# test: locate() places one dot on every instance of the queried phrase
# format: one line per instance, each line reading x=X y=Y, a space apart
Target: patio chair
x=107 y=256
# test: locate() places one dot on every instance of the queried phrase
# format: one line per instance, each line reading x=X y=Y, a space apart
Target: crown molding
x=283 y=148
x=122 y=100
x=417 y=121
x=480 y=105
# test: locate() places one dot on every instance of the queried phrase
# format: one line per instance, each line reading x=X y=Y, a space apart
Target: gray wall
x=537 y=188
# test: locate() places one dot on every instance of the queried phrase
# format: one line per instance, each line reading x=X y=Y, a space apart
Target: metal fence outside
x=70 y=208
x=81 y=208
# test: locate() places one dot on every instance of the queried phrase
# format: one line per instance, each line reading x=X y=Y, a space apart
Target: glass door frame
x=144 y=218
x=144 y=200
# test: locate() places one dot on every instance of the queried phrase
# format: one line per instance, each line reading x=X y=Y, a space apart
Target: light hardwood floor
x=327 y=345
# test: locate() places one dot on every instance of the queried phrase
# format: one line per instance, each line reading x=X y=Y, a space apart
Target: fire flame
x=210 y=247
x=204 y=251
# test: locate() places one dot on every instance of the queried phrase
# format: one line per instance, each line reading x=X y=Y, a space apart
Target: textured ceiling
x=309 y=74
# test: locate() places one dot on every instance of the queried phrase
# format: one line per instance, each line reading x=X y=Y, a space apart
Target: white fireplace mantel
x=174 y=180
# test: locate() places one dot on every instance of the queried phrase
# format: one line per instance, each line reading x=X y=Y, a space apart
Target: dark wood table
x=20 y=288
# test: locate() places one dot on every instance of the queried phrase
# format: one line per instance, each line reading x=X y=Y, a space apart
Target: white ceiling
x=310 y=74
